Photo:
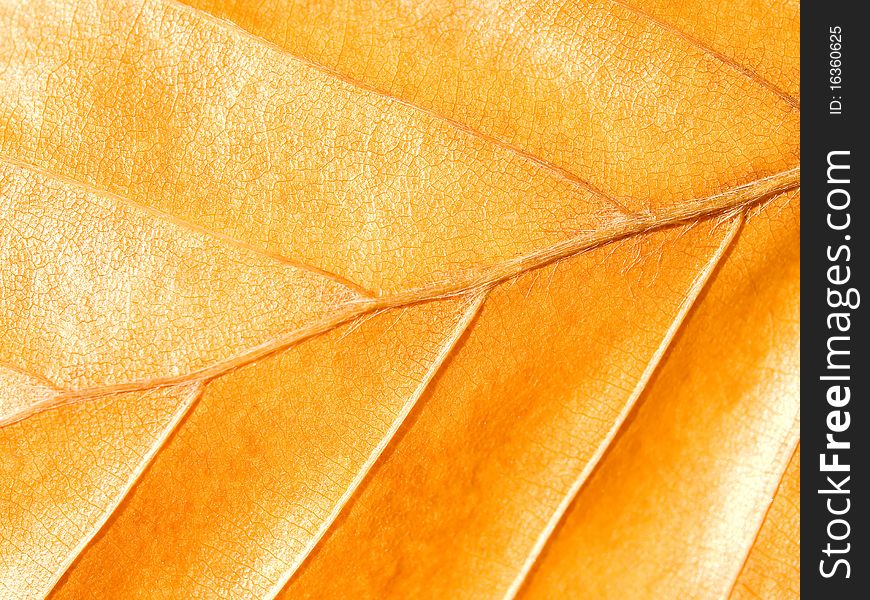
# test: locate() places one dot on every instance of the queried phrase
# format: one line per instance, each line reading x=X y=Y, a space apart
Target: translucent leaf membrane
x=617 y=97
x=687 y=482
x=773 y=567
x=174 y=109
x=760 y=36
x=97 y=292
x=198 y=119
x=260 y=467
x=19 y=391
x=64 y=471
x=519 y=414
x=202 y=196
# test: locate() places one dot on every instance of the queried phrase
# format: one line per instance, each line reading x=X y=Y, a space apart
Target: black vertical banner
x=835 y=227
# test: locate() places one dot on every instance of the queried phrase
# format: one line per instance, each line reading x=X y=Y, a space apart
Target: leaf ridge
x=544 y=164
x=449 y=344
x=622 y=226
x=170 y=218
x=795 y=448
x=561 y=172
x=700 y=283
x=193 y=396
x=38 y=377
x=751 y=74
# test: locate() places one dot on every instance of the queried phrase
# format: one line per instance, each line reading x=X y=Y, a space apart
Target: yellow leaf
x=267 y=458
x=63 y=472
x=500 y=443
x=772 y=568
x=395 y=299
x=687 y=483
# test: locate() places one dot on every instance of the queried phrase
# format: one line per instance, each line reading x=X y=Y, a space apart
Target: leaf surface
x=296 y=161
x=398 y=299
x=266 y=459
x=571 y=82
x=481 y=471
x=105 y=294
x=63 y=472
x=772 y=568
x=689 y=480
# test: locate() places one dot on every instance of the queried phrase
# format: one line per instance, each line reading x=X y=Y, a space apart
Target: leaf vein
x=701 y=281
x=468 y=282
x=751 y=74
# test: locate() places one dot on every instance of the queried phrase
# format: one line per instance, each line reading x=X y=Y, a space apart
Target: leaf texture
x=690 y=478
x=387 y=300
x=63 y=472
x=579 y=77
x=484 y=467
x=772 y=568
x=71 y=323
x=313 y=418
x=389 y=170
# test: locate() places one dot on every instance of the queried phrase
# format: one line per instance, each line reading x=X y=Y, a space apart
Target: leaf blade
x=690 y=478
x=372 y=177
x=308 y=431
x=772 y=567
x=476 y=476
x=106 y=295
x=62 y=473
